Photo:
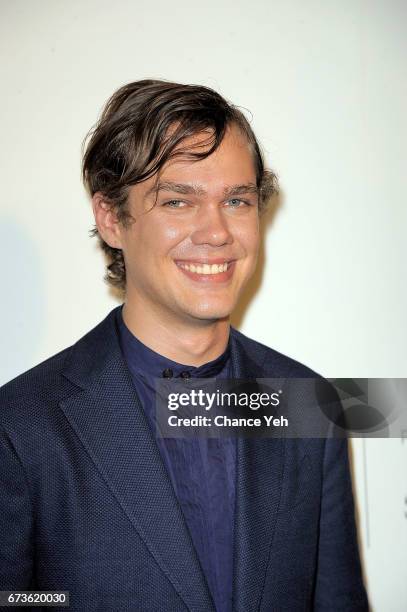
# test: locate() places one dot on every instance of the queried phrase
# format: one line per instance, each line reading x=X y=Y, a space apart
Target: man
x=92 y=502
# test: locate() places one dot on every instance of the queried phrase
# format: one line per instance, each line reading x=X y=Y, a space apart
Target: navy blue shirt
x=202 y=470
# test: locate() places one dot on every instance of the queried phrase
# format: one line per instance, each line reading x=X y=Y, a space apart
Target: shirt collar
x=145 y=361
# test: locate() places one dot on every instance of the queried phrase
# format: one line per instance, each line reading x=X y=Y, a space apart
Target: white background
x=326 y=84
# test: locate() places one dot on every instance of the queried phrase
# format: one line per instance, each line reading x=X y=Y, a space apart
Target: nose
x=211 y=227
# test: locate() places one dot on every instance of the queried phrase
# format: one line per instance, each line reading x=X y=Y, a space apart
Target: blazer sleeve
x=339 y=583
x=16 y=522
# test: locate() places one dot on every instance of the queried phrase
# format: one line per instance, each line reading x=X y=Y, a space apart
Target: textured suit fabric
x=87 y=505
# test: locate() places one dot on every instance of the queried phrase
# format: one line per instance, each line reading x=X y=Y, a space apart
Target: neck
x=184 y=341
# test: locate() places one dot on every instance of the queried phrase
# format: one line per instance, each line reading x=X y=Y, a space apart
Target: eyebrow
x=194 y=189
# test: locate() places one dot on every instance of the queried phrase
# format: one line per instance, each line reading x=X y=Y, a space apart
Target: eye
x=174 y=204
x=237 y=203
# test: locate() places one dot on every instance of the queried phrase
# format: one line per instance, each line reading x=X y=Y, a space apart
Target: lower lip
x=221 y=277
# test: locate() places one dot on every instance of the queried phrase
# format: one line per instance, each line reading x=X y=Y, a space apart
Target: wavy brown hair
x=142 y=126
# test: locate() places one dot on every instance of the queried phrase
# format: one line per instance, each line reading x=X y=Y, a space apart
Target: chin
x=211 y=312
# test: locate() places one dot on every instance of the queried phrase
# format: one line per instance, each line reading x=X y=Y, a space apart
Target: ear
x=106 y=221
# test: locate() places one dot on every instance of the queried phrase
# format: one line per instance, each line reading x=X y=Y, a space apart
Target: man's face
x=194 y=242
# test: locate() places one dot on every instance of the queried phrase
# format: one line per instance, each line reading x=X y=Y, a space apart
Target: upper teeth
x=205 y=268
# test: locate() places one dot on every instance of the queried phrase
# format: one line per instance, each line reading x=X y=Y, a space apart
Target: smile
x=204 y=268
x=207 y=272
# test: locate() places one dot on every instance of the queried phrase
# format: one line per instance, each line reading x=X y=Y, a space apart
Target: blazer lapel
x=108 y=419
x=259 y=479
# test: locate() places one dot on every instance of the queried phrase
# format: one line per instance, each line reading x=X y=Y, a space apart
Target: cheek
x=172 y=233
x=249 y=238
x=162 y=235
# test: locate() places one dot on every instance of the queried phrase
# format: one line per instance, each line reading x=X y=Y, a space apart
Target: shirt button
x=185 y=375
x=167 y=373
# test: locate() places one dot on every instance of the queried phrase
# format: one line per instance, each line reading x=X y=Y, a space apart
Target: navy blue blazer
x=87 y=506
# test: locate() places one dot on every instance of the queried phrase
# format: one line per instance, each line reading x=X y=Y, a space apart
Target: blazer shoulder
x=39 y=390
x=273 y=363
x=38 y=385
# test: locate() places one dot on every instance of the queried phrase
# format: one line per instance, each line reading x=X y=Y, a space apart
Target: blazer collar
x=109 y=421
x=259 y=477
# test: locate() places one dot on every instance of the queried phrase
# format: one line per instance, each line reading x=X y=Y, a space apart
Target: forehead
x=232 y=163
